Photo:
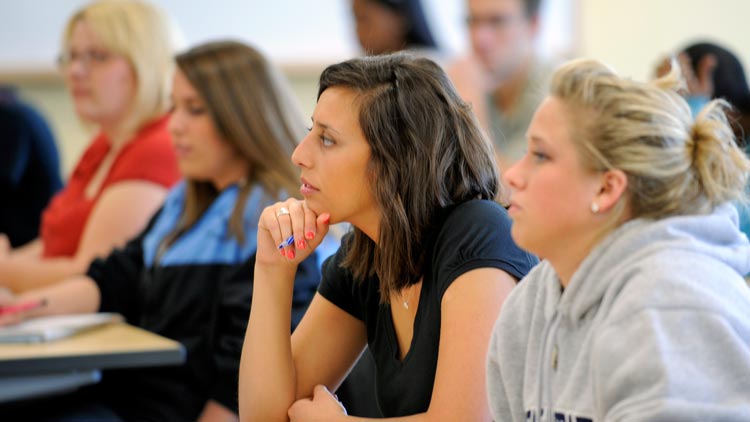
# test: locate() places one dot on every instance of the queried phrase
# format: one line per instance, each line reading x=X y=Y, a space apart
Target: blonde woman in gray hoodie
x=639 y=311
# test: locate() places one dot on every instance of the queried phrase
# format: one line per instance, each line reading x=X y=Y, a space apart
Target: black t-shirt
x=475 y=234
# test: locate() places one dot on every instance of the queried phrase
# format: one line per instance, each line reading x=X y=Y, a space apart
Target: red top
x=149 y=156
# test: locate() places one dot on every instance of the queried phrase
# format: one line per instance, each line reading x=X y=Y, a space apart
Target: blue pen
x=288 y=242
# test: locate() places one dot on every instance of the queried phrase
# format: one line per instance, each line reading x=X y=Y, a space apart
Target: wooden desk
x=28 y=370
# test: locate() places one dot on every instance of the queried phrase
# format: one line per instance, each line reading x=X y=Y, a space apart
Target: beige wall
x=631 y=35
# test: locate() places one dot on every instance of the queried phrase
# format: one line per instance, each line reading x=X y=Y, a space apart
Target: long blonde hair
x=147 y=39
x=675 y=164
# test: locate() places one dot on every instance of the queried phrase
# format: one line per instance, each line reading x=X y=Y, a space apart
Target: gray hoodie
x=653 y=326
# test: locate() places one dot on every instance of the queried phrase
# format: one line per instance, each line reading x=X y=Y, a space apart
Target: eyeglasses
x=495 y=22
x=88 y=58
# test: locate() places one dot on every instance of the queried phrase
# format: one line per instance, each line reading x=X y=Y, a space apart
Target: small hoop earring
x=594 y=207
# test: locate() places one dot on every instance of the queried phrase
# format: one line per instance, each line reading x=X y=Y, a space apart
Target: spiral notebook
x=42 y=329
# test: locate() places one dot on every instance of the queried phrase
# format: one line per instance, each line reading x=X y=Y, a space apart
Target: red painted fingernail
x=290 y=254
x=309 y=235
x=327 y=219
x=301 y=244
x=283 y=252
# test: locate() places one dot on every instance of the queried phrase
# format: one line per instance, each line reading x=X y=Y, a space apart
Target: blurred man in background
x=502 y=78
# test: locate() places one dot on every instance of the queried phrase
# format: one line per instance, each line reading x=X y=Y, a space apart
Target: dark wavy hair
x=427 y=153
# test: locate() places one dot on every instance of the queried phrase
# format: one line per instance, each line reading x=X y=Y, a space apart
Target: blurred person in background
x=712 y=71
x=387 y=26
x=29 y=170
x=503 y=79
x=117 y=62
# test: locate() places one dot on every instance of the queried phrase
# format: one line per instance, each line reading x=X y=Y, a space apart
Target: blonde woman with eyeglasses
x=117 y=63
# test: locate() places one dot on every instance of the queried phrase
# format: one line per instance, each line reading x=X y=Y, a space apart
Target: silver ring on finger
x=282 y=211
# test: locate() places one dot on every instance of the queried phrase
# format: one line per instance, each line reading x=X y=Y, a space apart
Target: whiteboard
x=289 y=31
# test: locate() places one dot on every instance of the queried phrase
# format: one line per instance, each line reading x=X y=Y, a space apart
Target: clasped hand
x=322 y=407
x=289 y=231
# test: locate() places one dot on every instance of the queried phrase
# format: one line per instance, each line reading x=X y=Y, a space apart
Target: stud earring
x=594 y=207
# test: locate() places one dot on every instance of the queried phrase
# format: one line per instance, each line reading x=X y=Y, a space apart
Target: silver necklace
x=405 y=301
x=405 y=294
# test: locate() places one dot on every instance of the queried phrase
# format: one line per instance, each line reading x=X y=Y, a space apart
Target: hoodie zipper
x=547 y=360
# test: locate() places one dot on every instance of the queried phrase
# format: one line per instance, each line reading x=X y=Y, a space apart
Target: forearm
x=73 y=296
x=21 y=274
x=32 y=249
x=267 y=384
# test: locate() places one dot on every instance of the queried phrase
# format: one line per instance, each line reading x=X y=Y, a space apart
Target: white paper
x=50 y=328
